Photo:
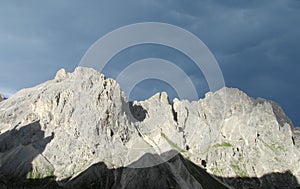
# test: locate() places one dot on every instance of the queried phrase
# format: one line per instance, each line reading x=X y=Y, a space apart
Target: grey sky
x=255 y=42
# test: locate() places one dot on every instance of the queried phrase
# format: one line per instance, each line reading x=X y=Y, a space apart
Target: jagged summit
x=62 y=127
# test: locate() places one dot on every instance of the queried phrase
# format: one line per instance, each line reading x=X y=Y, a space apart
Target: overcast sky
x=256 y=43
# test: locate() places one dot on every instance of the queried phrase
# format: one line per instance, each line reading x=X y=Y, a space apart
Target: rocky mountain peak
x=80 y=126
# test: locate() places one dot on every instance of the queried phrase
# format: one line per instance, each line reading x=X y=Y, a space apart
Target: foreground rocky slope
x=82 y=124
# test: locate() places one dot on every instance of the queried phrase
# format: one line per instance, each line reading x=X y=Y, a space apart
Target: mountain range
x=80 y=131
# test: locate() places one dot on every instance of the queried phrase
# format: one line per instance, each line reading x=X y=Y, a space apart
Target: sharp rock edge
x=65 y=125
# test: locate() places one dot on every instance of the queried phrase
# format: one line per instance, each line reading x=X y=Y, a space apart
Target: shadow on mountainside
x=18 y=148
x=175 y=173
x=137 y=111
x=284 y=180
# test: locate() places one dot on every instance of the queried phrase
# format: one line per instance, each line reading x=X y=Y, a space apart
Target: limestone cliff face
x=297 y=136
x=64 y=126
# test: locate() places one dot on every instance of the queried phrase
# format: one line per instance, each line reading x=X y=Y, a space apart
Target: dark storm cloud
x=255 y=42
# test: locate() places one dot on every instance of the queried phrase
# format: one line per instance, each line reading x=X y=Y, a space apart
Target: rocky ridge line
x=82 y=118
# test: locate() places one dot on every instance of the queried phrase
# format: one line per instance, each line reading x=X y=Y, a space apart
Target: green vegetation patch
x=223 y=145
x=172 y=144
x=35 y=174
x=217 y=171
x=238 y=171
x=275 y=147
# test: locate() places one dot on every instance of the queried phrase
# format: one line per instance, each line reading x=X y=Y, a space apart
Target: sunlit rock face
x=63 y=127
x=297 y=136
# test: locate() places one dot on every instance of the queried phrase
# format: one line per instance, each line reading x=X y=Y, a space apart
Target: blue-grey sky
x=256 y=43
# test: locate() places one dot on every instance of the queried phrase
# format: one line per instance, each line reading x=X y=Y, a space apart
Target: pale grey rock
x=237 y=135
x=1 y=97
x=297 y=136
x=84 y=118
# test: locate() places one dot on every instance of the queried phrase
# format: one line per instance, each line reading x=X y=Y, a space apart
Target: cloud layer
x=255 y=42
